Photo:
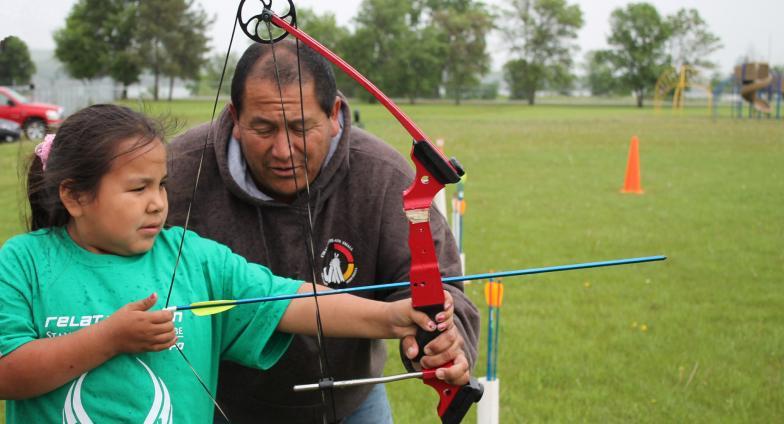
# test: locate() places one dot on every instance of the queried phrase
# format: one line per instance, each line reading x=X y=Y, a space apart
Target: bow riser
x=425 y=277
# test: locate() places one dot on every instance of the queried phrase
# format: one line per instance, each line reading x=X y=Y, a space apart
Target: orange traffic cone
x=632 y=183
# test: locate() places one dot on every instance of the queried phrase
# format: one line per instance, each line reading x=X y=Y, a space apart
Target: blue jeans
x=374 y=410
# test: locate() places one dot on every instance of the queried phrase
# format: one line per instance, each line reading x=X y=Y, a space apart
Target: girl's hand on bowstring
x=135 y=329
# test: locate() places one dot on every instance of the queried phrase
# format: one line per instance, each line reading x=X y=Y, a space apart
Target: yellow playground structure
x=678 y=82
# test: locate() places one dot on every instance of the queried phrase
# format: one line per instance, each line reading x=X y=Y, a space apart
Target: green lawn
x=543 y=189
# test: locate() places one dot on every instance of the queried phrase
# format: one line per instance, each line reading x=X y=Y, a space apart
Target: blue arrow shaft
x=456 y=279
x=496 y=330
x=490 y=339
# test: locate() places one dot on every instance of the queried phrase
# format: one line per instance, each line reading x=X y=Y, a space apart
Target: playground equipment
x=754 y=77
x=678 y=82
x=755 y=85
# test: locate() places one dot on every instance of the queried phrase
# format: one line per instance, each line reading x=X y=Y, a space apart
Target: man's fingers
x=445 y=341
x=457 y=374
x=444 y=317
x=437 y=360
x=423 y=321
x=410 y=347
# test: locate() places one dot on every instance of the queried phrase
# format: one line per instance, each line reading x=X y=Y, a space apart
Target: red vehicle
x=35 y=118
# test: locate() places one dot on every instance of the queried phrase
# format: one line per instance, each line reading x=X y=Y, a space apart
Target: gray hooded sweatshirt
x=360 y=236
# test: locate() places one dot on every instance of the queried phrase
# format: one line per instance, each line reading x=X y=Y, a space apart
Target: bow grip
x=424 y=337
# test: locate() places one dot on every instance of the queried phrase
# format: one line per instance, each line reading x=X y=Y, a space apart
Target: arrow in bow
x=212 y=307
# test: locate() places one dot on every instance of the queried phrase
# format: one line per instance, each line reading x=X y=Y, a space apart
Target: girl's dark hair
x=81 y=154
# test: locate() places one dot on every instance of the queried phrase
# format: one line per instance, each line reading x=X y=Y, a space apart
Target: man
x=252 y=197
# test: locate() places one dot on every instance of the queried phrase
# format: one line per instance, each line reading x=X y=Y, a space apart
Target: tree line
x=120 y=39
x=411 y=48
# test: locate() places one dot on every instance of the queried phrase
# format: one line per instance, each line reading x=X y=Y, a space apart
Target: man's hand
x=448 y=346
x=134 y=329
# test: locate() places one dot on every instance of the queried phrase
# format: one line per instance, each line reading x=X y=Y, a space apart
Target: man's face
x=264 y=136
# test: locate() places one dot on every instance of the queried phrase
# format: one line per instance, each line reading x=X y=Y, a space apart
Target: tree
x=423 y=73
x=335 y=37
x=541 y=33
x=425 y=60
x=16 y=67
x=380 y=43
x=186 y=46
x=170 y=34
x=464 y=28
x=691 y=42
x=210 y=75
x=323 y=28
x=81 y=46
x=156 y=20
x=124 y=61
x=521 y=76
x=638 y=39
x=600 y=77
x=98 y=40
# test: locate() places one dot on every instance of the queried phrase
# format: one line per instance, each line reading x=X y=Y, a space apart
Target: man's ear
x=235 y=117
x=334 y=116
x=74 y=202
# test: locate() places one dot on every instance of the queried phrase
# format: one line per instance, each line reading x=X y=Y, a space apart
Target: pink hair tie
x=43 y=149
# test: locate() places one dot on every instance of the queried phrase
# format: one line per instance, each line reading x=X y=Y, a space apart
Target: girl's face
x=129 y=207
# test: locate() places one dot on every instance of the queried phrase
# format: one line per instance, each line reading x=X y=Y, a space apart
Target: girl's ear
x=73 y=201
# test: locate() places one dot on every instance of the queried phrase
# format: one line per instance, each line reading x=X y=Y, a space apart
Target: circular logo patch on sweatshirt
x=337 y=263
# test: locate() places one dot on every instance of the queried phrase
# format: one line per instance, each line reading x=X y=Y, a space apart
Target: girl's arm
x=345 y=315
x=43 y=365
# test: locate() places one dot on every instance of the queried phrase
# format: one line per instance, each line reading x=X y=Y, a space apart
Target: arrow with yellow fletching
x=212 y=307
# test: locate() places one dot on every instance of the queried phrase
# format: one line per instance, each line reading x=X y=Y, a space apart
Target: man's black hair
x=257 y=62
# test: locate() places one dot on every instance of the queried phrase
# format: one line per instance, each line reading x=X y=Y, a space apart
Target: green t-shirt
x=50 y=287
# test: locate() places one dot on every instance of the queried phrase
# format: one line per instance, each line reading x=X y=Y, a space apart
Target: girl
x=75 y=347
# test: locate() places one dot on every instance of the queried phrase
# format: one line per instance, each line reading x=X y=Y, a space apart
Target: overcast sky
x=746 y=27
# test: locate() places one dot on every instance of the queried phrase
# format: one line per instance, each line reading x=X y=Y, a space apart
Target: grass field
x=698 y=338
